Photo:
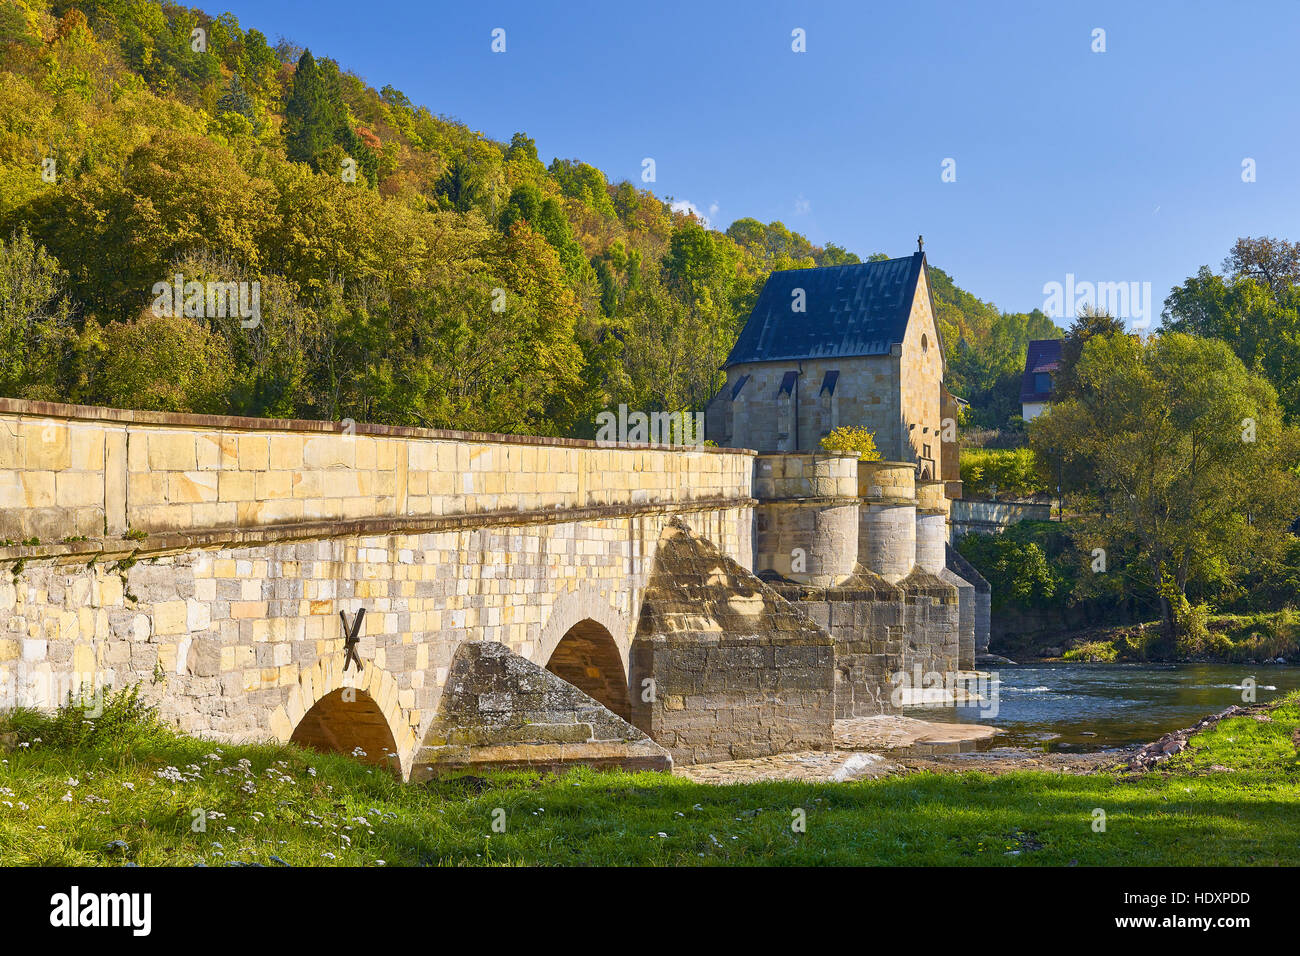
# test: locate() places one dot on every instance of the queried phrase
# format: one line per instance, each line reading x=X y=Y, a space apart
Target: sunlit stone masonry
x=310 y=581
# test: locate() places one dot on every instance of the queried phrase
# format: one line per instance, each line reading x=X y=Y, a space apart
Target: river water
x=1080 y=708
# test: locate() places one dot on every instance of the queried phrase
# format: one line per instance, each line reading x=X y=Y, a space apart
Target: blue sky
x=1122 y=166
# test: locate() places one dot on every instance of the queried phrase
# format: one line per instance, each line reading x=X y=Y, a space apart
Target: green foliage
x=1095 y=651
x=1191 y=621
x=313 y=115
x=1257 y=637
x=1015 y=473
x=164 y=364
x=1017 y=569
x=35 y=320
x=97 y=720
x=1089 y=323
x=1261 y=325
x=854 y=440
x=986 y=350
x=377 y=296
x=1179 y=457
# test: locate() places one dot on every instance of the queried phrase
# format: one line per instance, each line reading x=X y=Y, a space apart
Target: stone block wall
x=761 y=417
x=228 y=640
x=865 y=616
x=920 y=383
x=931 y=623
x=734 y=670
x=983 y=599
x=991 y=517
x=72 y=471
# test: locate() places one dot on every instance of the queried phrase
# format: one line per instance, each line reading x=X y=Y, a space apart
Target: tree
x=237 y=100
x=163 y=363
x=1180 y=455
x=546 y=217
x=458 y=186
x=1090 y=322
x=1260 y=323
x=1274 y=262
x=313 y=116
x=115 y=232
x=1018 y=569
x=35 y=320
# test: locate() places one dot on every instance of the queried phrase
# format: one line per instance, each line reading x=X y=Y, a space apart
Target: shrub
x=851 y=438
x=118 y=721
x=164 y=363
x=1141 y=641
x=1191 y=623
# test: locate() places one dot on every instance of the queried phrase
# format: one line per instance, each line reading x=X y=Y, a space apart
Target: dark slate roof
x=859 y=309
x=1043 y=355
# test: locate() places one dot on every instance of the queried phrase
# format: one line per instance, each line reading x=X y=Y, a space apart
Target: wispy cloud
x=685 y=205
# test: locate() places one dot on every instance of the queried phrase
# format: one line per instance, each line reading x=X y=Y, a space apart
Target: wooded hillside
x=409 y=269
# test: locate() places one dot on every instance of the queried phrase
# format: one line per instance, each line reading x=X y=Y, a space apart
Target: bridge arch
x=348 y=721
x=586 y=642
x=580 y=605
x=332 y=710
x=588 y=658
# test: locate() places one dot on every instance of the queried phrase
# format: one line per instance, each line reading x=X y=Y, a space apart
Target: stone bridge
x=208 y=559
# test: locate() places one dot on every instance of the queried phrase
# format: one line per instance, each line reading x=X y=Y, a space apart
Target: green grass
x=1092 y=651
x=1232 y=639
x=310 y=809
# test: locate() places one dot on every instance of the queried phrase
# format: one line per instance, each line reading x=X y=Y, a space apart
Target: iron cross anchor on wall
x=351 y=637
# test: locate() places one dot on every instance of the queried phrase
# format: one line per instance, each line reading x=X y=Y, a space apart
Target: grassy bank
x=131 y=791
x=1231 y=638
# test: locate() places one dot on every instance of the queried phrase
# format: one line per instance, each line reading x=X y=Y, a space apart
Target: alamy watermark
x=1122 y=300
x=657 y=428
x=915 y=688
x=209 y=300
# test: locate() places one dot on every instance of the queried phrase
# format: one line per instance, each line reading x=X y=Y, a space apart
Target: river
x=1080 y=708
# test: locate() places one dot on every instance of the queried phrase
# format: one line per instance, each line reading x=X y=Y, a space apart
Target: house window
x=1042 y=382
x=925 y=343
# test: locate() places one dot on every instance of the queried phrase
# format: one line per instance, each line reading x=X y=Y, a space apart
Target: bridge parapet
x=70 y=471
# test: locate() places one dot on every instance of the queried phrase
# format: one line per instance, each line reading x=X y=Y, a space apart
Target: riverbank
x=130 y=792
x=1264 y=638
